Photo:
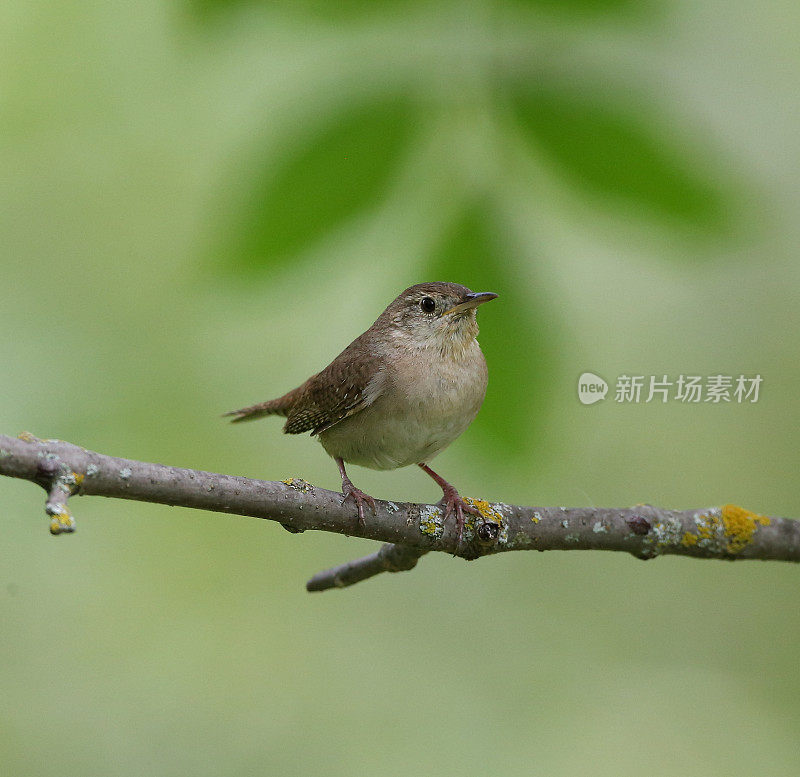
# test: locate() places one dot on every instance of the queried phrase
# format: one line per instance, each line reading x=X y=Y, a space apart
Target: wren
x=397 y=395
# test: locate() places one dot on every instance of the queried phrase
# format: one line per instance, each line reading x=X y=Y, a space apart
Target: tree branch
x=410 y=530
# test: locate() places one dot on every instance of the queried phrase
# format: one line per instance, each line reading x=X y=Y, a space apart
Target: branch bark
x=409 y=530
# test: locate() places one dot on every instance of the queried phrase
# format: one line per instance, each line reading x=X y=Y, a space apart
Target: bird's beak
x=472 y=300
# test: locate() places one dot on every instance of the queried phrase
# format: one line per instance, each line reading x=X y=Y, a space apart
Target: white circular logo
x=591 y=388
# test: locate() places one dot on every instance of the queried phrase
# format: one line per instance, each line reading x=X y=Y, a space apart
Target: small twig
x=390 y=558
x=61 y=483
x=411 y=530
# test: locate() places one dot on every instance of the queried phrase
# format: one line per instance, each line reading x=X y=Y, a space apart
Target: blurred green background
x=204 y=201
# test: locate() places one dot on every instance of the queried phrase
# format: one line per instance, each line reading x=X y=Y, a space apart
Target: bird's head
x=442 y=315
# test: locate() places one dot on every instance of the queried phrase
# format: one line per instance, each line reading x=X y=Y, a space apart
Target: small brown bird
x=399 y=394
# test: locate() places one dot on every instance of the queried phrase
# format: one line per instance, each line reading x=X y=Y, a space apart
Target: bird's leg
x=356 y=494
x=453 y=502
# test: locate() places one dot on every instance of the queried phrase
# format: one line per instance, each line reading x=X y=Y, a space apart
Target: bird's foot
x=453 y=502
x=360 y=499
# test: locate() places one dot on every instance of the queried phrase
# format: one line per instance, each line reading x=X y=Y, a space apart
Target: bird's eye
x=427 y=305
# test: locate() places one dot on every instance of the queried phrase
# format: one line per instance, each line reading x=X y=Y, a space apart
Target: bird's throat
x=457 y=336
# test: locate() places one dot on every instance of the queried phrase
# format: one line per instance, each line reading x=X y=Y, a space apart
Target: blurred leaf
x=304 y=9
x=514 y=331
x=350 y=9
x=618 y=155
x=584 y=7
x=311 y=190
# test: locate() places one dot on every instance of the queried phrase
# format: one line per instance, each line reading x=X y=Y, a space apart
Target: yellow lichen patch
x=428 y=526
x=689 y=539
x=27 y=437
x=490 y=513
x=430 y=521
x=485 y=509
x=725 y=530
x=706 y=526
x=298 y=484
x=61 y=521
x=71 y=483
x=740 y=525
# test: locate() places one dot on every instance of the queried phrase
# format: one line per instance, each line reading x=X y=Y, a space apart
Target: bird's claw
x=360 y=499
x=453 y=502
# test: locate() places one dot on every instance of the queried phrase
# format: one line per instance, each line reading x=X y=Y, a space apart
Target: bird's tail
x=279 y=406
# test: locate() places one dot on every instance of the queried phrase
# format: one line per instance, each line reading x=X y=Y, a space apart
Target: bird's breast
x=425 y=401
x=438 y=388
